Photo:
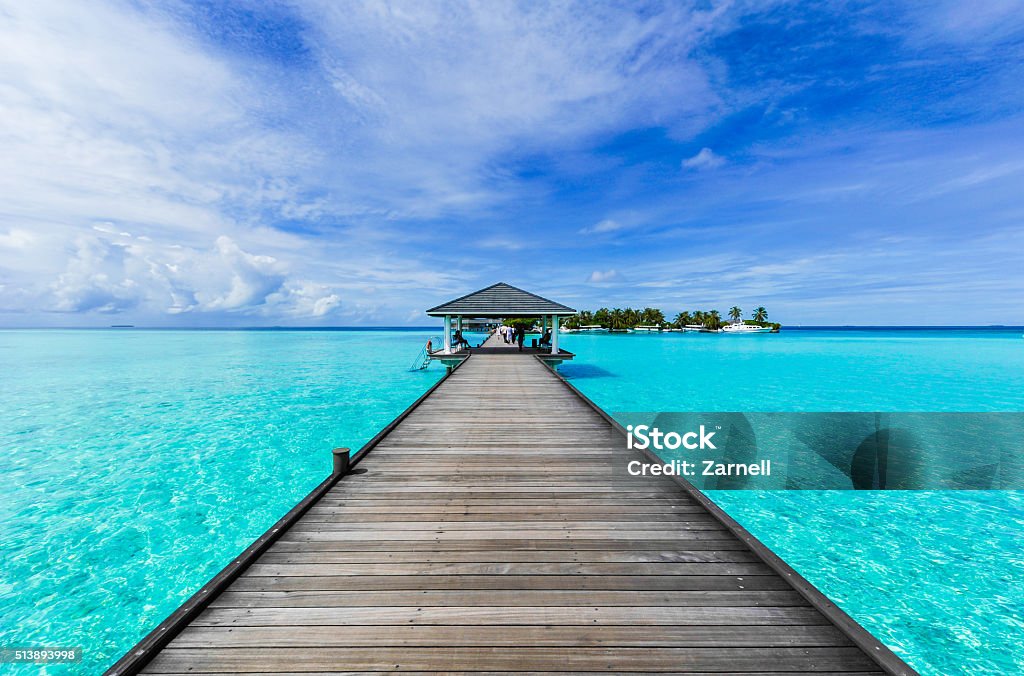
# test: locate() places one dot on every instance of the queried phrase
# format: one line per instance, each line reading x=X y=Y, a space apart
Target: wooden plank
x=510 y=615
x=505 y=597
x=451 y=672
x=495 y=513
x=761 y=636
x=534 y=535
x=290 y=544
x=280 y=554
x=674 y=660
x=700 y=522
x=423 y=568
x=511 y=582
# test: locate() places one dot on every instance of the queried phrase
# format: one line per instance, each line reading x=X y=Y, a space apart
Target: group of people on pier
x=512 y=334
x=517 y=334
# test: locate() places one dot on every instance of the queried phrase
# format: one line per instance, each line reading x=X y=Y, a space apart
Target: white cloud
x=466 y=85
x=108 y=274
x=601 y=227
x=705 y=159
x=605 y=276
x=129 y=134
x=506 y=243
x=16 y=238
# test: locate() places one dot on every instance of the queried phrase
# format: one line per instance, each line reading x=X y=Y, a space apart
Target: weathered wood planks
x=494 y=530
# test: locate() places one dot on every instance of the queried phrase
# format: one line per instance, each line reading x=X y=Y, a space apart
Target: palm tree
x=652 y=316
x=735 y=313
x=714 y=320
x=760 y=314
x=682 y=319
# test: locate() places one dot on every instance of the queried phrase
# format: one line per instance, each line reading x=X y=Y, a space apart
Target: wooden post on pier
x=341 y=461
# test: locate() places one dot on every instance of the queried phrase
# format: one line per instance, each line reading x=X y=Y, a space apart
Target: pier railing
x=422 y=360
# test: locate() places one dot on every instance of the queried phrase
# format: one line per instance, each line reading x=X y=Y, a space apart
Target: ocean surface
x=937 y=576
x=137 y=463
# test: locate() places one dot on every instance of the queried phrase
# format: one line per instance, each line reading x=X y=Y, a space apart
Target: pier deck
x=493 y=529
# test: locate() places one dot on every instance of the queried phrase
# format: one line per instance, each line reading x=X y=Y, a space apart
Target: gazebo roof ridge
x=500 y=300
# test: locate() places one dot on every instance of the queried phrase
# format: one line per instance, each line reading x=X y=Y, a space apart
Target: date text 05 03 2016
x=39 y=655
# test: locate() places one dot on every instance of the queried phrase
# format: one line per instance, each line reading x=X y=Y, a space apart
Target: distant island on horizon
x=434 y=327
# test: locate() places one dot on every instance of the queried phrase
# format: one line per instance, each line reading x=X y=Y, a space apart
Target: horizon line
x=372 y=327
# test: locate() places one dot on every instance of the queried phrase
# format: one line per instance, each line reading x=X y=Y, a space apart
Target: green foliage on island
x=525 y=323
x=617 y=319
x=629 y=318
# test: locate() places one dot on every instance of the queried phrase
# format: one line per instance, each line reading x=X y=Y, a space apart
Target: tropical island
x=653 y=319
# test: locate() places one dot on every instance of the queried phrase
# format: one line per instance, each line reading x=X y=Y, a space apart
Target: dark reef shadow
x=579 y=371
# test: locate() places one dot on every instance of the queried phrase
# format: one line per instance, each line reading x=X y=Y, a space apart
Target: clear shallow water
x=136 y=464
x=938 y=576
x=842 y=370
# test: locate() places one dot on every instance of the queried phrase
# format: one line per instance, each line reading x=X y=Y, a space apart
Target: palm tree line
x=629 y=318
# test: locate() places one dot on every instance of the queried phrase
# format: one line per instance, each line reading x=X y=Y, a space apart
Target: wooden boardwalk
x=494 y=529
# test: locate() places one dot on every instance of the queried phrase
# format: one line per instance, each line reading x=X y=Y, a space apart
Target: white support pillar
x=458 y=324
x=543 y=325
x=447 y=334
x=554 y=334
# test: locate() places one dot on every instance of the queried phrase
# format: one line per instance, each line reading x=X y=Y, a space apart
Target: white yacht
x=740 y=327
x=592 y=328
x=647 y=329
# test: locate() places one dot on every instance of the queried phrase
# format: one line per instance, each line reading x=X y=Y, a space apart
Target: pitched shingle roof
x=500 y=300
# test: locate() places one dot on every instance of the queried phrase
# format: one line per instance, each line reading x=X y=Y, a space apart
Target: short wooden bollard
x=341 y=459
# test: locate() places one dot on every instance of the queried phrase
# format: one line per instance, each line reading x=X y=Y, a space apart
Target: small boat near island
x=647 y=329
x=741 y=328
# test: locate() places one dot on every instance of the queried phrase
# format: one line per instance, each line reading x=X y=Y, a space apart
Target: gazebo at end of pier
x=501 y=301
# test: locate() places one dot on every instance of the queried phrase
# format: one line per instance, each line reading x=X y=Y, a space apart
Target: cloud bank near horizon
x=192 y=163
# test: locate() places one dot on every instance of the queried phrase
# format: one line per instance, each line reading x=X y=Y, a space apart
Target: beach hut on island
x=500 y=301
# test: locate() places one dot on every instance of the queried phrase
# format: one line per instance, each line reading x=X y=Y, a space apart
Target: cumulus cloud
x=604 y=276
x=705 y=159
x=116 y=274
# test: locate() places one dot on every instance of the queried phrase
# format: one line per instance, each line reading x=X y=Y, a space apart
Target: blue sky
x=307 y=163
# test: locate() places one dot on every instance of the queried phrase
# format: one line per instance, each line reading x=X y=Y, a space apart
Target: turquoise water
x=841 y=370
x=136 y=464
x=938 y=576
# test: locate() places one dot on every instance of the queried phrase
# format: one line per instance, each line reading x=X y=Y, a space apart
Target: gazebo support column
x=447 y=334
x=554 y=334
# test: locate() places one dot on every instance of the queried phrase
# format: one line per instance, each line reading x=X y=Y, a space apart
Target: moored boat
x=741 y=328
